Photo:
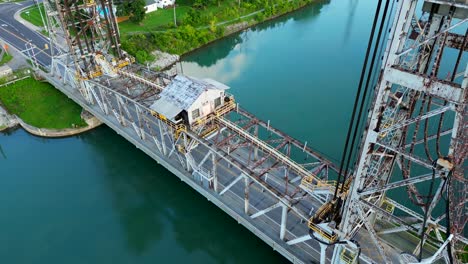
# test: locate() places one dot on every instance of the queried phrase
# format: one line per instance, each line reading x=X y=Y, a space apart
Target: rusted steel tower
x=415 y=145
x=89 y=28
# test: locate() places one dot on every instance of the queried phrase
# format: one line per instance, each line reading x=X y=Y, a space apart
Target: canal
x=95 y=198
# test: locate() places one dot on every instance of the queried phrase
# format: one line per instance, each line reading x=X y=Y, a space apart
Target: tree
x=133 y=8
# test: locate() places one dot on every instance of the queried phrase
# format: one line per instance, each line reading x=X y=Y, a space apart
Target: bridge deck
x=232 y=201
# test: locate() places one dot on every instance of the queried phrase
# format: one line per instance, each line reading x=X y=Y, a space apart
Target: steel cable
x=358 y=96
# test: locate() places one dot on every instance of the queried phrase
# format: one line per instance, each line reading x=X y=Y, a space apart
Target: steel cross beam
x=393 y=185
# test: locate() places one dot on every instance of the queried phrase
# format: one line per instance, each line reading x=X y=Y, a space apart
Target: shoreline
x=238 y=27
x=242 y=28
x=13 y=121
x=49 y=133
x=57 y=133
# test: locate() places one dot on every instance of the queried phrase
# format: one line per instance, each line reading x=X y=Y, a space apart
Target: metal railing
x=269 y=150
x=317 y=229
x=178 y=128
x=347 y=256
x=308 y=183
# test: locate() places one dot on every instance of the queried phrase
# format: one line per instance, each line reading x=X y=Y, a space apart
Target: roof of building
x=181 y=93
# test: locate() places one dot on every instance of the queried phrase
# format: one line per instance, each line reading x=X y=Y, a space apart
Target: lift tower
x=415 y=146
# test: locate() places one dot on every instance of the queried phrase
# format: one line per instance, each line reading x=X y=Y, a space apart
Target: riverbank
x=40 y=104
x=40 y=109
x=92 y=123
x=159 y=44
x=191 y=35
x=244 y=25
x=8 y=121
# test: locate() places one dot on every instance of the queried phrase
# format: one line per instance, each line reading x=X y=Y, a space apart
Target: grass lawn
x=40 y=104
x=158 y=19
x=5 y=59
x=33 y=16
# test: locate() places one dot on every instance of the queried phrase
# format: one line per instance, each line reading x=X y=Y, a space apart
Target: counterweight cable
x=366 y=89
x=358 y=96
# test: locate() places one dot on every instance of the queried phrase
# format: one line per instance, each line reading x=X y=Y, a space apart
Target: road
x=17 y=35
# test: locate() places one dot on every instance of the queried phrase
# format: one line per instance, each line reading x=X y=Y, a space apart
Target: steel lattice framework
x=89 y=27
x=416 y=142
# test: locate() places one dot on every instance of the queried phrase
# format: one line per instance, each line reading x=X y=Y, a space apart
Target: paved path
x=6 y=120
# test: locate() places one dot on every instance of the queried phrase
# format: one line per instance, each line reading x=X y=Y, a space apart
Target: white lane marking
x=38 y=34
x=8 y=24
x=26 y=41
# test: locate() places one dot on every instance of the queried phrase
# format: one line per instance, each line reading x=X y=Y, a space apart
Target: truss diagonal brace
x=418 y=118
x=372 y=233
x=240 y=177
x=397 y=184
x=266 y=210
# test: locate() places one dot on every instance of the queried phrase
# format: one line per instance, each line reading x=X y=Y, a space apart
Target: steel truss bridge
x=257 y=174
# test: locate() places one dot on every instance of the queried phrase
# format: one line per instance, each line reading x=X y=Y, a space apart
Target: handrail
x=322 y=232
x=140 y=79
x=348 y=259
x=218 y=112
x=300 y=170
x=307 y=182
x=178 y=128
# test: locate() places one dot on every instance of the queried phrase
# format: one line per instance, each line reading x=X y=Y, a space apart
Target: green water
x=95 y=198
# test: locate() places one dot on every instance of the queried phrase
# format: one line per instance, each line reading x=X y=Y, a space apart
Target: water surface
x=95 y=198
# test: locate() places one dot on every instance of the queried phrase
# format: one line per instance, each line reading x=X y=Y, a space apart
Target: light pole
x=175 y=16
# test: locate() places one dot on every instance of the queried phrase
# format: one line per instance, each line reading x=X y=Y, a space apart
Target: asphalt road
x=17 y=35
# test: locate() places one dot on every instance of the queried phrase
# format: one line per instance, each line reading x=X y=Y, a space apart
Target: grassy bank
x=158 y=20
x=41 y=105
x=33 y=16
x=5 y=59
x=197 y=25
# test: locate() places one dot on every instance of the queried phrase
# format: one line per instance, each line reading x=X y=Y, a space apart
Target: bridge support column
x=284 y=218
x=215 y=173
x=161 y=133
x=246 y=195
x=188 y=156
x=255 y=157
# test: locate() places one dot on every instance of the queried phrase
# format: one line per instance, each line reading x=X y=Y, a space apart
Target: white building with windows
x=187 y=99
x=165 y=3
x=151 y=6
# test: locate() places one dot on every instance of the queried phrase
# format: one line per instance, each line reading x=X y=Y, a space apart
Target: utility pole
x=175 y=15
x=42 y=17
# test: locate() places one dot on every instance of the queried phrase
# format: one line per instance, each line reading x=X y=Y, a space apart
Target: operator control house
x=187 y=99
